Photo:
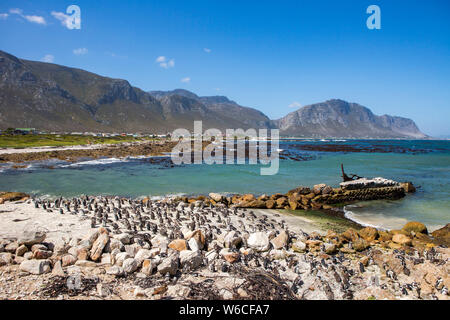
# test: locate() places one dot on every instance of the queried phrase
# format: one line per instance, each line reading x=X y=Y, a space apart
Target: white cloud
x=295 y=104
x=165 y=63
x=64 y=18
x=16 y=11
x=33 y=19
x=80 y=51
x=160 y=59
x=3 y=15
x=186 y=80
x=207 y=50
x=48 y=58
x=36 y=19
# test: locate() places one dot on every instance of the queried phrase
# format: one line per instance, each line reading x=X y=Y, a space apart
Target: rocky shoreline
x=118 y=248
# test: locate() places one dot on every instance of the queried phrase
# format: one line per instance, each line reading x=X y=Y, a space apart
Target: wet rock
x=259 y=241
x=29 y=238
x=36 y=266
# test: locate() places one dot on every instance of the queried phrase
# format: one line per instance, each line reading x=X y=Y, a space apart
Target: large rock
x=402 y=239
x=130 y=265
x=415 y=226
x=29 y=237
x=36 y=266
x=169 y=265
x=216 y=196
x=281 y=240
x=368 y=233
x=259 y=241
x=442 y=235
x=142 y=255
x=5 y=258
x=178 y=244
x=299 y=246
x=99 y=245
x=191 y=259
x=300 y=190
x=68 y=260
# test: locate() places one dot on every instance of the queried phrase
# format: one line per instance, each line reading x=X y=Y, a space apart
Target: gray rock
x=36 y=266
x=5 y=258
x=130 y=265
x=121 y=257
x=103 y=290
x=115 y=271
x=191 y=259
x=142 y=255
x=29 y=237
x=169 y=265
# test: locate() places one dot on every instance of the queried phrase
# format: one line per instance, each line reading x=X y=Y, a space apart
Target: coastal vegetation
x=59 y=140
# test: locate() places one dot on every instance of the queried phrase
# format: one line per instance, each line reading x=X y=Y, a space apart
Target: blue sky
x=271 y=55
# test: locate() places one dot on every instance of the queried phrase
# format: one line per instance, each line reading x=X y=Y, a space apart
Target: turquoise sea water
x=425 y=163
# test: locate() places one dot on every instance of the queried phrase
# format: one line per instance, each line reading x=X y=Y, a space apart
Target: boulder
x=142 y=255
x=415 y=226
x=5 y=258
x=124 y=238
x=58 y=270
x=329 y=248
x=442 y=235
x=216 y=197
x=68 y=260
x=20 y=251
x=178 y=244
x=270 y=204
x=350 y=235
x=121 y=257
x=402 y=239
x=147 y=267
x=408 y=187
x=280 y=241
x=36 y=266
x=194 y=244
x=299 y=246
x=229 y=256
x=360 y=244
x=259 y=241
x=130 y=265
x=368 y=233
x=282 y=202
x=199 y=236
x=99 y=245
x=300 y=190
x=42 y=254
x=115 y=271
x=11 y=247
x=191 y=259
x=169 y=265
x=29 y=237
x=317 y=189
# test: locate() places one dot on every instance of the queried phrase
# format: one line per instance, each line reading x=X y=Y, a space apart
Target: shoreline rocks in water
x=170 y=249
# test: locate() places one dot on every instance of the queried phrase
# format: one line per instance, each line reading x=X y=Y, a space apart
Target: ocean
x=426 y=163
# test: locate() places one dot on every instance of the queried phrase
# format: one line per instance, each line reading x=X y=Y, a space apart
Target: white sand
x=15 y=217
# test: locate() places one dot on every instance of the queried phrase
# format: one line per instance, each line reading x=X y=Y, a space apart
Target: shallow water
x=429 y=168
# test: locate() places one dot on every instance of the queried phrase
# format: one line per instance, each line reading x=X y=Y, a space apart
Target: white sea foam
x=376 y=220
x=95 y=162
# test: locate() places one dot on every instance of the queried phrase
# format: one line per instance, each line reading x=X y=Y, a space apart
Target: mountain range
x=51 y=97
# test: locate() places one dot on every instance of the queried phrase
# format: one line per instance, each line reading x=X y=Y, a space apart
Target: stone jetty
x=209 y=249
